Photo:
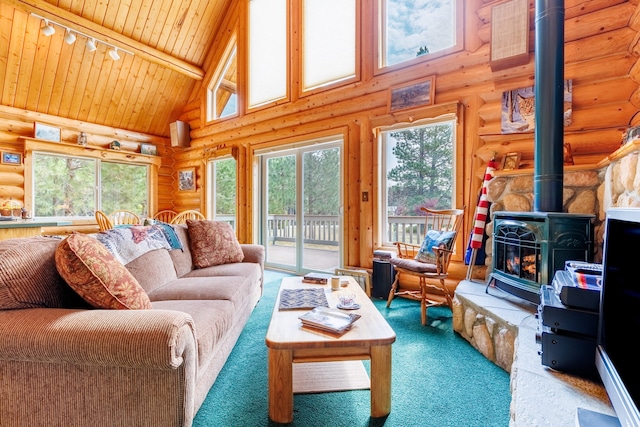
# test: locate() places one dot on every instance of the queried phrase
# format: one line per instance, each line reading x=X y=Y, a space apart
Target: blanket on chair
x=127 y=243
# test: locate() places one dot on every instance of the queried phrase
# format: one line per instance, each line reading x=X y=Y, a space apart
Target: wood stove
x=529 y=247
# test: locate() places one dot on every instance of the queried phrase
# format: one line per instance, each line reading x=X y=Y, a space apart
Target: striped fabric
x=482 y=210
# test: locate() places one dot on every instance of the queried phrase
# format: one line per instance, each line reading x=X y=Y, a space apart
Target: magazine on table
x=316 y=278
x=329 y=319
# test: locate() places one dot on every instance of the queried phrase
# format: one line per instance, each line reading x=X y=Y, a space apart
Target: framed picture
x=418 y=94
x=46 y=132
x=187 y=179
x=11 y=158
x=510 y=161
x=149 y=149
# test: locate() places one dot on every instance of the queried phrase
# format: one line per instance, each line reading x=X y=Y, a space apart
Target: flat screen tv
x=617 y=360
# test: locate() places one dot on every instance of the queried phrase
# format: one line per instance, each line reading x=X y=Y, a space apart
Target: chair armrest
x=156 y=339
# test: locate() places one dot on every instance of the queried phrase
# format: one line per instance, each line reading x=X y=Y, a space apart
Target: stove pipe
x=549 y=105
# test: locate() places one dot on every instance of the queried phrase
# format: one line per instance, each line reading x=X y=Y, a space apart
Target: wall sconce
x=48 y=29
x=71 y=35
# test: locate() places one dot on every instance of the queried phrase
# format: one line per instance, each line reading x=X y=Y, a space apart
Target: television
x=617 y=361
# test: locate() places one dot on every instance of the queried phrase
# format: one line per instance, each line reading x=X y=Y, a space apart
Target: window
x=223 y=172
x=267 y=51
x=65 y=186
x=417 y=28
x=222 y=95
x=418 y=170
x=329 y=41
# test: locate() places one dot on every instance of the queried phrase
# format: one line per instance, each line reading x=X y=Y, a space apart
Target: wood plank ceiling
x=143 y=92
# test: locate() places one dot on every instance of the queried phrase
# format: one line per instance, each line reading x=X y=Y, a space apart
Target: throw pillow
x=97 y=276
x=433 y=238
x=213 y=243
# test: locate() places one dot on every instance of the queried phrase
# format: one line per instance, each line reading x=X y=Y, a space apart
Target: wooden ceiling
x=143 y=92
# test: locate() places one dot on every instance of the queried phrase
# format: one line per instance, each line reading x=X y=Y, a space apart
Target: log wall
x=601 y=54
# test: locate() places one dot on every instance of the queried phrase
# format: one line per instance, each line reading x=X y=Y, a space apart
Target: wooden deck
x=326 y=258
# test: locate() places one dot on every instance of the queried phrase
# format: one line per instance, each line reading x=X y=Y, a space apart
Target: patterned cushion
x=94 y=273
x=413 y=265
x=443 y=239
x=213 y=243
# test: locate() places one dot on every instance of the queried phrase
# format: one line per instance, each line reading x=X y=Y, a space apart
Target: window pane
x=225 y=195
x=416 y=27
x=63 y=186
x=418 y=172
x=329 y=41
x=222 y=96
x=124 y=187
x=267 y=51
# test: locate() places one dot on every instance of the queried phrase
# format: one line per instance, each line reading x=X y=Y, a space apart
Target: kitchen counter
x=27 y=227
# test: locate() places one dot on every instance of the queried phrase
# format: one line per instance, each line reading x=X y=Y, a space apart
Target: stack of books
x=329 y=319
x=316 y=278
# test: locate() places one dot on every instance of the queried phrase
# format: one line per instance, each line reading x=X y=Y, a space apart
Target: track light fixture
x=113 y=53
x=71 y=35
x=48 y=29
x=69 y=38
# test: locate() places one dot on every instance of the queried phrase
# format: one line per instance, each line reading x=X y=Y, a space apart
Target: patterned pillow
x=213 y=243
x=95 y=274
x=433 y=238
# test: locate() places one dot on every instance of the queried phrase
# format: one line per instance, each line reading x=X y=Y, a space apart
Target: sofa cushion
x=234 y=289
x=28 y=276
x=153 y=269
x=182 y=260
x=94 y=273
x=213 y=243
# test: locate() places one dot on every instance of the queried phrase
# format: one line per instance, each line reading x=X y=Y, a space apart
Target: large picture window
x=418 y=170
x=66 y=186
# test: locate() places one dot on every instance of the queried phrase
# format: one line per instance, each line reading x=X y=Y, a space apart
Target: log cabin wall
x=601 y=54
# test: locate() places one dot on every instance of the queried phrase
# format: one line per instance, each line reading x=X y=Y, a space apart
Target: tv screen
x=617 y=360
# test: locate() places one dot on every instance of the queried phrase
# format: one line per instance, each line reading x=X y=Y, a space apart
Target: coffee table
x=288 y=342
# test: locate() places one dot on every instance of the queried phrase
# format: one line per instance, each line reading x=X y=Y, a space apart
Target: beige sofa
x=65 y=364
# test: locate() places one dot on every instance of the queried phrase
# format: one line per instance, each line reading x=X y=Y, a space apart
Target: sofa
x=64 y=362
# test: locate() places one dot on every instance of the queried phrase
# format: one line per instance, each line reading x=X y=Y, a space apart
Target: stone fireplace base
x=503 y=329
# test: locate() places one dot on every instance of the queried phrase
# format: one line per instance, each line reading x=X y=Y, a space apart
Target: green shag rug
x=439 y=379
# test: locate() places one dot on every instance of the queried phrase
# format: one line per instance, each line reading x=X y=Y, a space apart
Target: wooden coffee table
x=288 y=342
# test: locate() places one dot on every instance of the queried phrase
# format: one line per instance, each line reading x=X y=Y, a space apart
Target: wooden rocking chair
x=428 y=262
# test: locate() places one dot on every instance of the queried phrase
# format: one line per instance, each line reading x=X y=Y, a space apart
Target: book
x=317 y=278
x=329 y=319
x=291 y=299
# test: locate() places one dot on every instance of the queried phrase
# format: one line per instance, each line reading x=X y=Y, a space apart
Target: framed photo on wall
x=149 y=149
x=46 y=132
x=9 y=158
x=187 y=179
x=417 y=94
x=511 y=161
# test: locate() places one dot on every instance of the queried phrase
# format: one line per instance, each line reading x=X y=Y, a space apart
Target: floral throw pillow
x=213 y=243
x=97 y=276
x=433 y=238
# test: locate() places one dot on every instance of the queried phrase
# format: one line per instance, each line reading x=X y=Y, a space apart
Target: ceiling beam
x=68 y=19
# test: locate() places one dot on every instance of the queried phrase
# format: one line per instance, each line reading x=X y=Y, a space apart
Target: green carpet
x=438 y=378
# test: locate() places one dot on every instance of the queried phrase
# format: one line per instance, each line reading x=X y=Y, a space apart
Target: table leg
x=281 y=386
x=380 y=380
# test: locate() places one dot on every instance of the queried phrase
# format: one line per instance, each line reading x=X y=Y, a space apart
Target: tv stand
x=588 y=418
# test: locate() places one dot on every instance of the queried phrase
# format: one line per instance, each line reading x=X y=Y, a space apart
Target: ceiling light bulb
x=113 y=53
x=48 y=29
x=91 y=45
x=69 y=38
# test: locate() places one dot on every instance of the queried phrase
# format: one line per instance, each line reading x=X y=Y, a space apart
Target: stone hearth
x=503 y=328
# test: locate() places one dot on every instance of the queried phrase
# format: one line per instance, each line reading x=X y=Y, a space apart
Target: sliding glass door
x=302 y=207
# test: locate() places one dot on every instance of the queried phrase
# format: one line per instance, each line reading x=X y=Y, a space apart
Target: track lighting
x=91 y=45
x=48 y=29
x=69 y=38
x=71 y=35
x=113 y=53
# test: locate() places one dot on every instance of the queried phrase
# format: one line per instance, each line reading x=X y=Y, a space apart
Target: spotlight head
x=91 y=45
x=48 y=29
x=69 y=38
x=113 y=53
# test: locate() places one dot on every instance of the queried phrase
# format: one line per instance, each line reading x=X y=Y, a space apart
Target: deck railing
x=325 y=229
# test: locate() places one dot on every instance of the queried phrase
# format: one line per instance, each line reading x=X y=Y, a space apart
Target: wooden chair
x=104 y=223
x=183 y=216
x=428 y=262
x=165 y=216
x=122 y=217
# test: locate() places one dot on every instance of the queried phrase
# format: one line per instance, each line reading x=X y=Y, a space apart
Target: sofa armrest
x=253 y=253
x=156 y=339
